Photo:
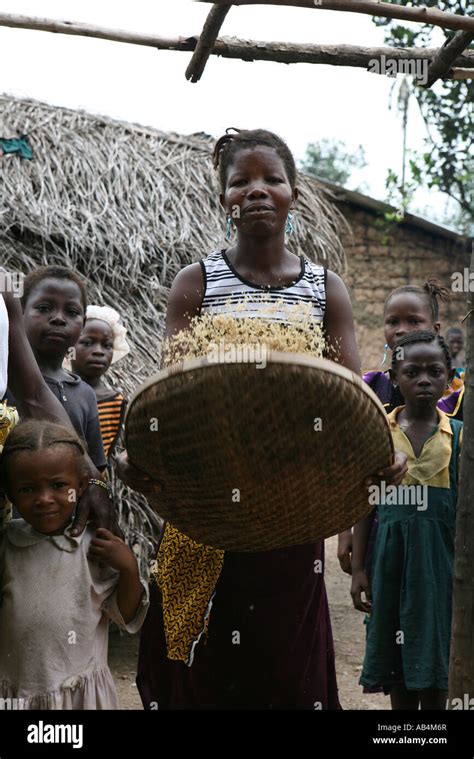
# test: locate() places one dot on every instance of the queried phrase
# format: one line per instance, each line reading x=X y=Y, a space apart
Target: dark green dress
x=409 y=629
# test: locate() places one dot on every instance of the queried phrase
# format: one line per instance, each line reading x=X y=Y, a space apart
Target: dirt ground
x=348 y=631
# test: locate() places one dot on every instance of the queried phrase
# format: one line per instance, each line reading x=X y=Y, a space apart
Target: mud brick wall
x=381 y=257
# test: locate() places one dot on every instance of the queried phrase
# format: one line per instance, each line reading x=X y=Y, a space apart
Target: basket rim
x=303 y=360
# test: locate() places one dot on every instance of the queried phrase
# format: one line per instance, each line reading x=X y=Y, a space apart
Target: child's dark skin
x=404 y=313
x=455 y=342
x=94 y=353
x=45 y=485
x=422 y=375
x=54 y=317
x=258 y=195
x=52 y=321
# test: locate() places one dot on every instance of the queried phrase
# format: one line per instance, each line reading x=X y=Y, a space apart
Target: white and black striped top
x=226 y=292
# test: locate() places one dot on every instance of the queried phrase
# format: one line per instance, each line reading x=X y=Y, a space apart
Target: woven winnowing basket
x=245 y=463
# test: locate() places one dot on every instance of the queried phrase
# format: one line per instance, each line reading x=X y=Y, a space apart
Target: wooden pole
x=246 y=50
x=421 y=14
x=206 y=42
x=460 y=74
x=79 y=29
x=443 y=60
x=461 y=669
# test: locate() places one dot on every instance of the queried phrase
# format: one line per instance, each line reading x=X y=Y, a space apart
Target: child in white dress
x=58 y=592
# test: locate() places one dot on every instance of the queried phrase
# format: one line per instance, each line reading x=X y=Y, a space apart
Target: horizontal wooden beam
x=460 y=74
x=332 y=55
x=420 y=14
x=247 y=50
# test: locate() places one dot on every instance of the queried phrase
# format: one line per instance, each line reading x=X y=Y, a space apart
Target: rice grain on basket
x=297 y=333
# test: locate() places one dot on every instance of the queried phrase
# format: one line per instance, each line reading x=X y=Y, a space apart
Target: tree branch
x=422 y=14
x=443 y=60
x=206 y=42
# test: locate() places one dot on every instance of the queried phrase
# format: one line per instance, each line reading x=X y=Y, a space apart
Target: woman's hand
x=359 y=585
x=96 y=506
x=135 y=478
x=393 y=474
x=344 y=551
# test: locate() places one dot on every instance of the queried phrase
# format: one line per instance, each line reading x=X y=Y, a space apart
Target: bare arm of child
x=360 y=582
x=33 y=396
x=35 y=400
x=344 y=551
x=111 y=550
x=186 y=294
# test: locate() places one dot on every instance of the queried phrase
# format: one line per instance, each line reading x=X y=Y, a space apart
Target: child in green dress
x=410 y=595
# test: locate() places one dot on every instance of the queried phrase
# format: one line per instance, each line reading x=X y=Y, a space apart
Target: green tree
x=331 y=160
x=447 y=164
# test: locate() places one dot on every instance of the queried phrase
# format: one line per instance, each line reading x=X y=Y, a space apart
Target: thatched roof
x=127 y=207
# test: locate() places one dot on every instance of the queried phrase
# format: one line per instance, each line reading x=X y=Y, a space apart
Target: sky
x=302 y=102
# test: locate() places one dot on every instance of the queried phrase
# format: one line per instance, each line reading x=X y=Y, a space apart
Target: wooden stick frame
x=443 y=60
x=422 y=14
x=206 y=42
x=249 y=50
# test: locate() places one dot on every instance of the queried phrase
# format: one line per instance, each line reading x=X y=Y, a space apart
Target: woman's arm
x=184 y=303
x=342 y=348
x=339 y=325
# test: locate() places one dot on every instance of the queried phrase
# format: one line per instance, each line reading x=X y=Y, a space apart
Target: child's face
x=455 y=344
x=258 y=194
x=405 y=313
x=422 y=375
x=45 y=485
x=94 y=350
x=54 y=316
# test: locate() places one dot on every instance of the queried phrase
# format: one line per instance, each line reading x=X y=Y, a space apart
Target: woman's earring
x=385 y=354
x=289 y=229
x=228 y=229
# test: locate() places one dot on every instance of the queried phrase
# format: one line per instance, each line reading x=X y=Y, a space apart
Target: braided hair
x=419 y=336
x=35 y=435
x=431 y=293
x=234 y=140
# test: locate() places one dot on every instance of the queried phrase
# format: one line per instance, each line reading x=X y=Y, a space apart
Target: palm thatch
x=127 y=207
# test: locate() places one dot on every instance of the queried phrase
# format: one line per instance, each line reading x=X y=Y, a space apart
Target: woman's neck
x=262 y=254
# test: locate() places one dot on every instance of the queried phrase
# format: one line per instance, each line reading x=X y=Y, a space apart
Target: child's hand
x=393 y=474
x=111 y=550
x=344 y=550
x=359 y=585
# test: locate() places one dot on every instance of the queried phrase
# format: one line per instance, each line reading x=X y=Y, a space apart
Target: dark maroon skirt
x=269 y=643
